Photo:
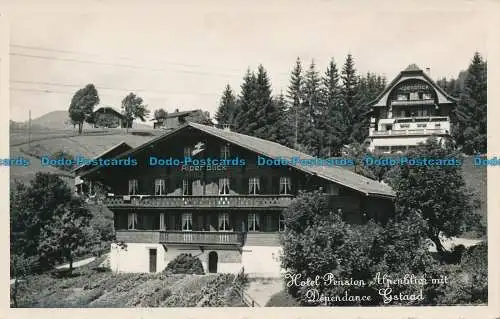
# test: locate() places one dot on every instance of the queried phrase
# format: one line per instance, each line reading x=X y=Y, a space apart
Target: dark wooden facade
x=193 y=206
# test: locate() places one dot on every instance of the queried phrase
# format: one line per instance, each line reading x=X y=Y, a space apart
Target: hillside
x=90 y=286
x=85 y=145
x=59 y=120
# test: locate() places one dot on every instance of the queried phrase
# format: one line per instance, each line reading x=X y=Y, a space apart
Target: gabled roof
x=270 y=149
x=107 y=109
x=413 y=71
x=178 y=114
x=122 y=145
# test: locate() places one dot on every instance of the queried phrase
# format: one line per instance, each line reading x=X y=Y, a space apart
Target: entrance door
x=152 y=260
x=212 y=262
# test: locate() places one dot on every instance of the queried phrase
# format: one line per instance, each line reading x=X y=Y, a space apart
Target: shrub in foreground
x=185 y=264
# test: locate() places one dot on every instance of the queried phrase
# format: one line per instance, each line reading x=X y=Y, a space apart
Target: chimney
x=428 y=71
x=226 y=127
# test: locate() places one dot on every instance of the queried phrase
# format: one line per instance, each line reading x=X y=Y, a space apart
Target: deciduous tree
x=82 y=105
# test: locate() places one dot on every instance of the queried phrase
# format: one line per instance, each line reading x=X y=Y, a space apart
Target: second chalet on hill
x=228 y=216
x=178 y=118
x=411 y=109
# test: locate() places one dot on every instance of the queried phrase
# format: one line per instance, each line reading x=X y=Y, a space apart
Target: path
x=262 y=289
x=449 y=243
x=65 y=266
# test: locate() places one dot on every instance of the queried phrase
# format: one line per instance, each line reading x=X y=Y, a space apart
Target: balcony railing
x=409 y=132
x=233 y=201
x=201 y=237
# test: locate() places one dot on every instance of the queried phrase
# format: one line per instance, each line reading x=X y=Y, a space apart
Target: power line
x=120 y=65
x=97 y=54
x=106 y=88
x=240 y=72
x=48 y=91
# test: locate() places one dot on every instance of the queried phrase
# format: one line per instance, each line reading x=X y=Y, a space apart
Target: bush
x=317 y=242
x=282 y=299
x=185 y=264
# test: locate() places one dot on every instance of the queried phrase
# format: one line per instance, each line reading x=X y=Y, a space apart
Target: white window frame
x=281 y=223
x=132 y=221
x=185 y=187
x=163 y=224
x=253 y=222
x=224 y=186
x=133 y=186
x=187 y=218
x=285 y=185
x=225 y=151
x=224 y=224
x=159 y=186
x=254 y=185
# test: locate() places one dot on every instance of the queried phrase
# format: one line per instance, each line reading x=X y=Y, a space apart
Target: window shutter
x=244 y=186
x=214 y=221
x=275 y=184
x=178 y=222
x=263 y=185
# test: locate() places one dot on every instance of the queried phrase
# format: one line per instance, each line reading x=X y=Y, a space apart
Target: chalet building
x=411 y=109
x=109 y=117
x=228 y=216
x=85 y=186
x=174 y=120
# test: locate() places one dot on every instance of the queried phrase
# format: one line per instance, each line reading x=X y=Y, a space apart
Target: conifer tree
x=313 y=114
x=471 y=111
x=245 y=103
x=295 y=98
x=331 y=94
x=263 y=113
x=227 y=107
x=349 y=97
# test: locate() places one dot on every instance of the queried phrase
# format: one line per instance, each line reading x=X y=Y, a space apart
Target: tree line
x=320 y=113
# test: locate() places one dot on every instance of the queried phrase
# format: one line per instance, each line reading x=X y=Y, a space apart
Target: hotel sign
x=408 y=87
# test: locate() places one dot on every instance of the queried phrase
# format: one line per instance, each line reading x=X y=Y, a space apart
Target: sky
x=182 y=54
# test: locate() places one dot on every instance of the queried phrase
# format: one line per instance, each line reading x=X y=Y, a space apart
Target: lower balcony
x=233 y=201
x=201 y=237
x=180 y=237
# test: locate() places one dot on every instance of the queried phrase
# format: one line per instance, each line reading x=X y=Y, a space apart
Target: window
x=187 y=187
x=224 y=186
x=421 y=125
x=225 y=152
x=420 y=95
x=187 y=222
x=437 y=125
x=253 y=185
x=159 y=186
x=285 y=186
x=132 y=221
x=405 y=125
x=253 y=222
x=188 y=151
x=281 y=223
x=224 y=222
x=133 y=187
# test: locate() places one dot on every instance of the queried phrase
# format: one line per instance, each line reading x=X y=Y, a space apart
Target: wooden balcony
x=410 y=132
x=201 y=237
x=180 y=237
x=199 y=202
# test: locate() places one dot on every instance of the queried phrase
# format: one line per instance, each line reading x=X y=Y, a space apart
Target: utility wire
x=122 y=65
x=117 y=94
x=240 y=72
x=105 y=88
x=103 y=55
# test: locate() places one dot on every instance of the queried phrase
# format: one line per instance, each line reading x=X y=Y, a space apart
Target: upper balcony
x=410 y=132
x=199 y=202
